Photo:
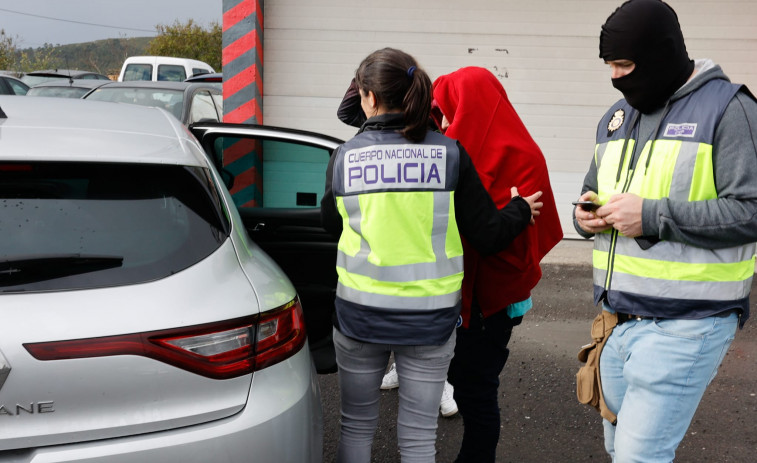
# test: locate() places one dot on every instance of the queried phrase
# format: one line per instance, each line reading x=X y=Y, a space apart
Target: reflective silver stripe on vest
x=443 y=266
x=673 y=252
x=601 y=243
x=677 y=289
x=682 y=177
x=352 y=206
x=600 y=153
x=670 y=251
x=599 y=276
x=399 y=302
x=400 y=273
x=439 y=232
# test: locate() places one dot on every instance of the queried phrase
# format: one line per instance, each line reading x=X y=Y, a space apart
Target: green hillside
x=102 y=56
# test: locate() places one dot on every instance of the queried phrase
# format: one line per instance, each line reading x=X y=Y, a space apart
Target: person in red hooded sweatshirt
x=471 y=105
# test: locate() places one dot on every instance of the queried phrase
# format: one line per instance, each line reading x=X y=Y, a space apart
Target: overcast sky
x=32 y=23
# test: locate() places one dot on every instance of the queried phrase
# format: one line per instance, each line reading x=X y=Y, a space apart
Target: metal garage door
x=545 y=52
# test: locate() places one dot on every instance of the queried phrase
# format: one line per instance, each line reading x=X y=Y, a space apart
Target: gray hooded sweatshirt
x=731 y=219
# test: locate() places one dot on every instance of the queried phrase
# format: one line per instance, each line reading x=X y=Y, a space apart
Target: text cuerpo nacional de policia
x=395 y=167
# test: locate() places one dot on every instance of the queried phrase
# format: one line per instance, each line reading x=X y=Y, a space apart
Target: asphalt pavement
x=541 y=418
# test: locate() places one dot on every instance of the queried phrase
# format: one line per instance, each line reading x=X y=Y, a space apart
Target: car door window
x=200 y=71
x=17 y=88
x=138 y=72
x=202 y=108
x=293 y=175
x=273 y=173
x=171 y=72
x=218 y=101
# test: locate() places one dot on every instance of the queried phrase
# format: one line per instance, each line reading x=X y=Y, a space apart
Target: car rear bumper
x=281 y=422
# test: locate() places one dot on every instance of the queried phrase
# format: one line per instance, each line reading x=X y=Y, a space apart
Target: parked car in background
x=66 y=88
x=159 y=68
x=162 y=331
x=10 y=85
x=189 y=102
x=36 y=77
x=214 y=78
x=210 y=77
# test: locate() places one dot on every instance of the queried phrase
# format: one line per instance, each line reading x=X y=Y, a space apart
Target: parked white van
x=161 y=68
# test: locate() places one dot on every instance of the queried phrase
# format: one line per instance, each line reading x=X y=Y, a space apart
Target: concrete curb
x=570 y=252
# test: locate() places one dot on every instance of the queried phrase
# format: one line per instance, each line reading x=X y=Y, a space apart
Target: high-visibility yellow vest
x=670 y=279
x=400 y=246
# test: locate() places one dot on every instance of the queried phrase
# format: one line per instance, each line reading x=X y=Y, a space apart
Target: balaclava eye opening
x=646 y=32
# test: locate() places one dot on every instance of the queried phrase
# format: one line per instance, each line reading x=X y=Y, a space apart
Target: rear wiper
x=23 y=269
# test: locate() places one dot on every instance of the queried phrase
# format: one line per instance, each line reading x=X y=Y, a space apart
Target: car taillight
x=280 y=334
x=219 y=350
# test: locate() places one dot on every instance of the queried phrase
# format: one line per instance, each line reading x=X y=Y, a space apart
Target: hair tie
x=410 y=71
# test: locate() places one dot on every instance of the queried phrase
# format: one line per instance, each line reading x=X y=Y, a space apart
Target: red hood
x=482 y=118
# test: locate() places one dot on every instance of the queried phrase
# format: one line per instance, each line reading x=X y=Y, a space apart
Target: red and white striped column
x=243 y=94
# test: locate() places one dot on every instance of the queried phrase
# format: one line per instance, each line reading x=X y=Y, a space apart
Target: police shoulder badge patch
x=617 y=120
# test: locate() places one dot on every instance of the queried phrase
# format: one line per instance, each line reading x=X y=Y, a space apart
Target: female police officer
x=400 y=196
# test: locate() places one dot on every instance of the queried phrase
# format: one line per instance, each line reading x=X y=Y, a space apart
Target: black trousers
x=480 y=355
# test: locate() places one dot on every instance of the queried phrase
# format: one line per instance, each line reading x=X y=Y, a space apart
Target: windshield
x=171 y=100
x=32 y=80
x=61 y=92
x=86 y=225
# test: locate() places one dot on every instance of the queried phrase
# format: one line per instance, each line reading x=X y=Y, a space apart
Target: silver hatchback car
x=140 y=321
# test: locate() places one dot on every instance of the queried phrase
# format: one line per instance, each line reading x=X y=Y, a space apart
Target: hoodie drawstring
x=625 y=146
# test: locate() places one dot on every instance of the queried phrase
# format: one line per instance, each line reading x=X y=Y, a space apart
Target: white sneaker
x=391 y=380
x=448 y=406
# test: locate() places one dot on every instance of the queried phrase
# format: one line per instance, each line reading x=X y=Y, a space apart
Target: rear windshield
x=86 y=225
x=61 y=92
x=31 y=81
x=170 y=100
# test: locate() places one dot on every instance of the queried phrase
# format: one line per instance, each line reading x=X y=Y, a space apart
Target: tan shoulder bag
x=588 y=383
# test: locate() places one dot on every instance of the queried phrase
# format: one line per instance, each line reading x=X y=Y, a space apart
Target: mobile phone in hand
x=586 y=205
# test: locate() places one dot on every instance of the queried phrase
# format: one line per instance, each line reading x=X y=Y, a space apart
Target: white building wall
x=545 y=52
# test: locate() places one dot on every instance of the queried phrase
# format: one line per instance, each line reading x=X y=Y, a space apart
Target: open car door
x=277 y=177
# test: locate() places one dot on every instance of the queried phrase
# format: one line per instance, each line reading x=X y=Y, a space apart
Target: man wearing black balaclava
x=647 y=33
x=675 y=177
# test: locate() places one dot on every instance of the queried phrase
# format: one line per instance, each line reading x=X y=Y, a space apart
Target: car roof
x=84 y=83
x=14 y=78
x=161 y=84
x=70 y=129
x=61 y=72
x=8 y=76
x=152 y=59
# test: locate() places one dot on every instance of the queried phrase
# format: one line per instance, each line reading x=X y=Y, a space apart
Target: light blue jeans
x=422 y=371
x=654 y=374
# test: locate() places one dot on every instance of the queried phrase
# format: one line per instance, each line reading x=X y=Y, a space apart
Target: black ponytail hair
x=398 y=83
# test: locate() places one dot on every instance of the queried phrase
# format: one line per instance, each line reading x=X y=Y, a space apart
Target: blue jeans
x=654 y=374
x=422 y=371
